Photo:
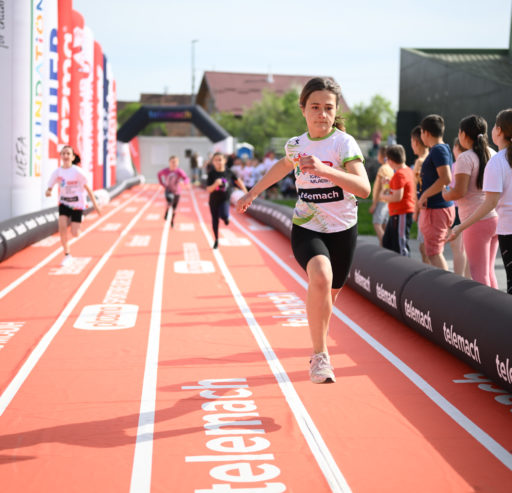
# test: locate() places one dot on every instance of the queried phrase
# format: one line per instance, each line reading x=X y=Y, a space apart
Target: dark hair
x=434 y=125
x=76 y=160
x=218 y=154
x=416 y=134
x=382 y=150
x=323 y=84
x=396 y=153
x=475 y=128
x=504 y=121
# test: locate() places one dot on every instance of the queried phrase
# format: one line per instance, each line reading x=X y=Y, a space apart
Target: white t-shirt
x=71 y=182
x=322 y=206
x=467 y=164
x=498 y=178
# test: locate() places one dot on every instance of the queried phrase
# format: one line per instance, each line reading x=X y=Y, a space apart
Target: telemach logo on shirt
x=320 y=195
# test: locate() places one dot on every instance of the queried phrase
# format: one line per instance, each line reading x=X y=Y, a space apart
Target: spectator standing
x=401 y=198
x=421 y=152
x=497 y=186
x=480 y=240
x=436 y=214
x=379 y=209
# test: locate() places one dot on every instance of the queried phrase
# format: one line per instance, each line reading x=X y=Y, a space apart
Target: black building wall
x=430 y=86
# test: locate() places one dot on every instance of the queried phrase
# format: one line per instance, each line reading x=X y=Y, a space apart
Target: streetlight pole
x=193 y=43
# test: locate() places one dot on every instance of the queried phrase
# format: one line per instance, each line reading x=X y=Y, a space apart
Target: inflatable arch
x=191 y=113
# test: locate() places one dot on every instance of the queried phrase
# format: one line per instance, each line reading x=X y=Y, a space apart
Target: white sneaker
x=320 y=370
x=66 y=260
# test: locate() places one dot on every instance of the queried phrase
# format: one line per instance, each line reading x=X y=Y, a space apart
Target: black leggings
x=219 y=210
x=337 y=247
x=505 y=242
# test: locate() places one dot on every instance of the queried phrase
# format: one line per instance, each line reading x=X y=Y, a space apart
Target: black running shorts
x=337 y=247
x=74 y=214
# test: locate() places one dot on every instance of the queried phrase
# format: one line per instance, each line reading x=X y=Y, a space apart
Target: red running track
x=156 y=364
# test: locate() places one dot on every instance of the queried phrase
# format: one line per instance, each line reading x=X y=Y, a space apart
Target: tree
x=272 y=116
x=362 y=121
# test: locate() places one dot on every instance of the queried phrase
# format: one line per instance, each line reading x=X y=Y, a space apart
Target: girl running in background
x=329 y=173
x=73 y=183
x=219 y=185
x=497 y=186
x=170 y=179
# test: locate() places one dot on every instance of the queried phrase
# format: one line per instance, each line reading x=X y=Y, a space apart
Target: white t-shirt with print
x=322 y=206
x=71 y=182
x=498 y=178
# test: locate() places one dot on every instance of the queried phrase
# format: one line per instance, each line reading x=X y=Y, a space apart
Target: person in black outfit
x=220 y=185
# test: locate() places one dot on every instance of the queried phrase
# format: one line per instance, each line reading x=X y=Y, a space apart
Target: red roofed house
x=234 y=92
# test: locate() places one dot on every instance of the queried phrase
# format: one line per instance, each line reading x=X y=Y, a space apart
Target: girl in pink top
x=170 y=179
x=480 y=239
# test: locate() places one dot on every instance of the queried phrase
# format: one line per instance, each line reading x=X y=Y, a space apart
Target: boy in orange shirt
x=401 y=199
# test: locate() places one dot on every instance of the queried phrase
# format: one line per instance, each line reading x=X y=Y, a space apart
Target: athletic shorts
x=74 y=214
x=172 y=199
x=337 y=247
x=381 y=213
x=434 y=224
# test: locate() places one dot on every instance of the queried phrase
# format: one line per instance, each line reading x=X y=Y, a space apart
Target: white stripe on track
x=143 y=455
x=29 y=364
x=316 y=443
x=497 y=450
x=52 y=255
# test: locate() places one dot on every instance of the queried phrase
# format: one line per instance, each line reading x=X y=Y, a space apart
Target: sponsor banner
x=97 y=118
x=26 y=193
x=470 y=320
x=112 y=129
x=106 y=174
x=65 y=61
x=6 y=95
x=50 y=158
x=86 y=101
x=78 y=72
x=107 y=317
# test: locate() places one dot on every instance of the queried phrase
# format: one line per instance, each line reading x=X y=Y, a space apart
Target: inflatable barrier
x=466 y=318
x=19 y=232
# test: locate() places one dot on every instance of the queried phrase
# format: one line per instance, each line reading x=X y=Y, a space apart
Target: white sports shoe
x=320 y=370
x=66 y=260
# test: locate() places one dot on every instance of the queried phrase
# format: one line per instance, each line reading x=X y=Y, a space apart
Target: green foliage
x=157 y=128
x=272 y=116
x=363 y=120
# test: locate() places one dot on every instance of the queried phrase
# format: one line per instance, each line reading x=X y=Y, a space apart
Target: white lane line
x=500 y=452
x=143 y=455
x=316 y=443
x=29 y=364
x=43 y=262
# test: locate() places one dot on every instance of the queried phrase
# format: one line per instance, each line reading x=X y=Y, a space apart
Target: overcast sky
x=149 y=42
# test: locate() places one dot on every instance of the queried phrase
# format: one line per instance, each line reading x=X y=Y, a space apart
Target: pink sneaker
x=320 y=370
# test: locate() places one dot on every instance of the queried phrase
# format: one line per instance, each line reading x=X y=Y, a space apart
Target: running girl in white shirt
x=72 y=187
x=329 y=171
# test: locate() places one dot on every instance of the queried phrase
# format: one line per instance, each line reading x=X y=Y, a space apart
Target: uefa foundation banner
x=6 y=55
x=50 y=91
x=52 y=84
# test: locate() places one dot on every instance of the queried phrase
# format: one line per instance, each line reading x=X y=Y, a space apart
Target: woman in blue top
x=329 y=173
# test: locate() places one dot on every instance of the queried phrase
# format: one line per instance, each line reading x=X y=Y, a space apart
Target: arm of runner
x=354 y=180
x=277 y=172
x=490 y=202
x=93 y=199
